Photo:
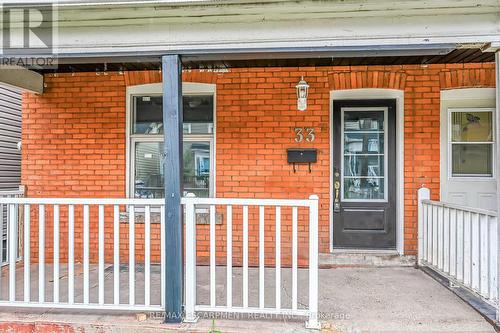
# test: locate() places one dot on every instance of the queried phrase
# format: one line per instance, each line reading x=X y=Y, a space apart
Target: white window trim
x=188 y=88
x=492 y=143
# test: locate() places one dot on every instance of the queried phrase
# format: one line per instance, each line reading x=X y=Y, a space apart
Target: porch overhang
x=22 y=78
x=271 y=32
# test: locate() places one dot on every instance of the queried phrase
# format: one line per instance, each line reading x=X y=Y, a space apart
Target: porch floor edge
x=487 y=311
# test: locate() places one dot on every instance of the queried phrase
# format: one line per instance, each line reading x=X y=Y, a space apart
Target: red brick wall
x=74 y=136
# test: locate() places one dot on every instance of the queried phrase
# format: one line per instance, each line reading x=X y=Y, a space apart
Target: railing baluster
x=453 y=242
x=41 y=253
x=424 y=231
x=467 y=249
x=56 y=254
x=261 y=257
x=190 y=260
x=131 y=255
x=475 y=244
x=446 y=240
x=116 y=254
x=27 y=249
x=435 y=235
x=229 y=257
x=493 y=257
x=430 y=227
x=212 y=256
x=162 y=254
x=484 y=255
x=101 y=254
x=278 y=257
x=294 y=257
x=147 y=256
x=460 y=246
x=12 y=251
x=71 y=254
x=245 y=256
x=440 y=240
x=86 y=249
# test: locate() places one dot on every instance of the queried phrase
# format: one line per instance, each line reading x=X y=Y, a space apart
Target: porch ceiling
x=466 y=55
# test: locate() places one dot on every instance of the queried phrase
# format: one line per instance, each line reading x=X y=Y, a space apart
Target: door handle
x=336 y=199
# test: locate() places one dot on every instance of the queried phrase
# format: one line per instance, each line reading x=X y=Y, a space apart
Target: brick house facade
x=74 y=137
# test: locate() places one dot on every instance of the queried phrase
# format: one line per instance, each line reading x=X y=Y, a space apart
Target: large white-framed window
x=145 y=140
x=471 y=143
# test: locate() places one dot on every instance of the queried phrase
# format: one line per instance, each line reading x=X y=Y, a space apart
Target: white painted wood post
x=497 y=74
x=190 y=315
x=313 y=322
x=423 y=194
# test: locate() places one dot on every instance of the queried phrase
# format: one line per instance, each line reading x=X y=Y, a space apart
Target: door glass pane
x=363 y=143
x=364 y=121
x=472 y=126
x=148 y=170
x=363 y=188
x=197 y=168
x=364 y=155
x=472 y=159
x=364 y=165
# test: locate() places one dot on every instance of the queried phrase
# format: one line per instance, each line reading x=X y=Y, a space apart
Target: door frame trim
x=375 y=93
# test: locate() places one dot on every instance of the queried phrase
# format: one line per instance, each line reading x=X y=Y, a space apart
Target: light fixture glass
x=302 y=91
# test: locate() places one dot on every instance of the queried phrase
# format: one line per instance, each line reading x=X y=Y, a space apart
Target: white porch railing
x=66 y=271
x=461 y=243
x=4 y=218
x=88 y=254
x=243 y=228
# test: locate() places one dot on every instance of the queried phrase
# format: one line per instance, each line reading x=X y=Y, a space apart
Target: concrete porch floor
x=390 y=299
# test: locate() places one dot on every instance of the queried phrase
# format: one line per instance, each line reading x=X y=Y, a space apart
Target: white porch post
x=423 y=194
x=497 y=86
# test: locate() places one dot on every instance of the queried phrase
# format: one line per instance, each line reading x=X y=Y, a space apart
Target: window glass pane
x=148 y=170
x=471 y=126
x=471 y=159
x=363 y=188
x=197 y=168
x=198 y=114
x=147 y=115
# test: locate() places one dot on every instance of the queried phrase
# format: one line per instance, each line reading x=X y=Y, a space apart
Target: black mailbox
x=302 y=155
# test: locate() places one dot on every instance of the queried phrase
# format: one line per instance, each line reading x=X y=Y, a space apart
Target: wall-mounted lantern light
x=302 y=90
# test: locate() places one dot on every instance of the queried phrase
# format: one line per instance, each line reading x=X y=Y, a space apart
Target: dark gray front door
x=364 y=169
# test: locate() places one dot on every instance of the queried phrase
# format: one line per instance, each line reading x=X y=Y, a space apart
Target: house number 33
x=304 y=133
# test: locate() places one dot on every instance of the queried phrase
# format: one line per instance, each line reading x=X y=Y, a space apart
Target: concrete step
x=364 y=258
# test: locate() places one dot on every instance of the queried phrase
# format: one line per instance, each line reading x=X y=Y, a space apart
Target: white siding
x=10 y=135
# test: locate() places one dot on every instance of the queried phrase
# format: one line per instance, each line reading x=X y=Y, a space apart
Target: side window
x=146 y=144
x=471 y=141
